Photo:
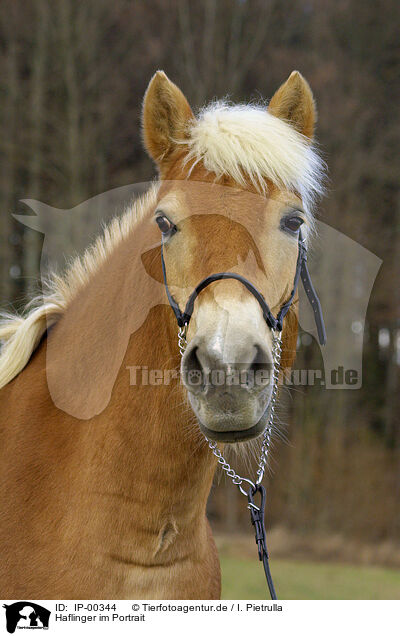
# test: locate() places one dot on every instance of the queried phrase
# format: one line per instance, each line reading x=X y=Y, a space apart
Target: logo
x=26 y=615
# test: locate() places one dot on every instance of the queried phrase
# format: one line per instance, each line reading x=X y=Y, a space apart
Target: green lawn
x=244 y=579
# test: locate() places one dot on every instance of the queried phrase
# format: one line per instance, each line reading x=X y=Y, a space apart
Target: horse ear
x=166 y=114
x=294 y=103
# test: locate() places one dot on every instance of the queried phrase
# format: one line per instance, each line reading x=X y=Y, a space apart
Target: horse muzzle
x=229 y=385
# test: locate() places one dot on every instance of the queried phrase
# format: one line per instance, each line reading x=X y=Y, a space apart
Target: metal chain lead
x=276 y=356
x=182 y=343
x=234 y=476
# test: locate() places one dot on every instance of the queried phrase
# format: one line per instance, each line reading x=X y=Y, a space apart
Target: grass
x=243 y=578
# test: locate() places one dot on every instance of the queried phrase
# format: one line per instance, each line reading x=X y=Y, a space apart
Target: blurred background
x=72 y=78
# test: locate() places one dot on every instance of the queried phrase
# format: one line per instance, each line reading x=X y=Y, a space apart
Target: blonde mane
x=20 y=335
x=243 y=142
x=247 y=142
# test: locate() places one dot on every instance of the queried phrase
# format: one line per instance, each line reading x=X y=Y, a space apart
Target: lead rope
x=256 y=512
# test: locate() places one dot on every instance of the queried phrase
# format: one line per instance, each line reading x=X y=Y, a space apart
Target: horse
x=104 y=477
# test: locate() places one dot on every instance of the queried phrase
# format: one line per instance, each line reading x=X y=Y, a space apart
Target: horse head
x=237 y=184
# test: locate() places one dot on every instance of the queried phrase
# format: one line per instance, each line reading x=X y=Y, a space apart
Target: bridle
x=276 y=326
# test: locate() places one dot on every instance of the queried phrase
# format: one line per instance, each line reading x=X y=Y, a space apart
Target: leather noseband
x=183 y=318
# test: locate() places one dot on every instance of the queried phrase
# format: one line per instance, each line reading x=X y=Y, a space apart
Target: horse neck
x=164 y=460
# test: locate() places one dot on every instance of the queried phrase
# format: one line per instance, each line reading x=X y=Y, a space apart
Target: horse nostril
x=193 y=371
x=262 y=359
x=260 y=369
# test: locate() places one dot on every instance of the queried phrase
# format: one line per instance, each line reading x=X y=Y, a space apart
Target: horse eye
x=292 y=223
x=164 y=224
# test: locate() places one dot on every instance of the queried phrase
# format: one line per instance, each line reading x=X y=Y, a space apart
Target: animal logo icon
x=195 y=378
x=26 y=615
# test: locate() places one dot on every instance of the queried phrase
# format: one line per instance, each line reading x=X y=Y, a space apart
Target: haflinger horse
x=104 y=481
